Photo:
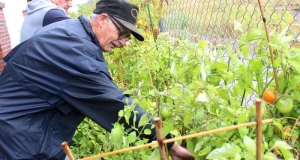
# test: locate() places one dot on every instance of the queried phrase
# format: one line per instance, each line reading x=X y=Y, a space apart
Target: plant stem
x=296 y=123
x=270 y=48
x=243 y=97
x=149 y=13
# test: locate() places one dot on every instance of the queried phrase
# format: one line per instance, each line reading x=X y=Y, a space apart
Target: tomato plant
x=179 y=76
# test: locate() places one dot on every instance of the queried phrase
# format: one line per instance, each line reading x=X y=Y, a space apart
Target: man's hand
x=179 y=153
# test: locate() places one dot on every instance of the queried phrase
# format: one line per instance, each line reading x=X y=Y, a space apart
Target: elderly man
x=41 y=13
x=59 y=76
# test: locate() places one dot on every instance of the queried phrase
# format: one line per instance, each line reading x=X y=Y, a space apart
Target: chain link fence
x=213 y=20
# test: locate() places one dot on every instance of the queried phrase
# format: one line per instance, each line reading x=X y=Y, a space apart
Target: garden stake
x=270 y=48
x=160 y=138
x=177 y=139
x=67 y=150
x=258 y=128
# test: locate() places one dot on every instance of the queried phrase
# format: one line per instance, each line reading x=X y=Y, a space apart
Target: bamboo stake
x=177 y=139
x=258 y=128
x=160 y=138
x=270 y=48
x=67 y=150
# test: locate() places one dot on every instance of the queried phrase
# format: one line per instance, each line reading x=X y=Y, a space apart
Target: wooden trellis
x=161 y=143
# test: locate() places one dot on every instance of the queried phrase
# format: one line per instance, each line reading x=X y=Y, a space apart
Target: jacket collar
x=87 y=27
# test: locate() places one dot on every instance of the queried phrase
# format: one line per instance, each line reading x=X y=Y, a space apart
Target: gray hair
x=95 y=16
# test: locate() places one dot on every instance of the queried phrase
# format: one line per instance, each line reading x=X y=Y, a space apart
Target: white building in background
x=13 y=13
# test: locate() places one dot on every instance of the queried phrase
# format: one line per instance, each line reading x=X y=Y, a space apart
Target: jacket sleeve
x=98 y=98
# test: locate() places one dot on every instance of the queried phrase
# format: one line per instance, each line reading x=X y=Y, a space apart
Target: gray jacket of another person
x=36 y=11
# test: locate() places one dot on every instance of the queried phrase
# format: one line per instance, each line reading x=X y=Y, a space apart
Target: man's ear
x=102 y=19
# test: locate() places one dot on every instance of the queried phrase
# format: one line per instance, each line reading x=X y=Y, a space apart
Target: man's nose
x=123 y=41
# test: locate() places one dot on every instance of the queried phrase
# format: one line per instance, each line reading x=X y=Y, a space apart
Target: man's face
x=65 y=4
x=111 y=34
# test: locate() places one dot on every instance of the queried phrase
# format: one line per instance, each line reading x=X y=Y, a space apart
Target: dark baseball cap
x=124 y=12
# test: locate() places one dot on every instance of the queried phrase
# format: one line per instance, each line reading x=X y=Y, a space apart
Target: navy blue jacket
x=50 y=84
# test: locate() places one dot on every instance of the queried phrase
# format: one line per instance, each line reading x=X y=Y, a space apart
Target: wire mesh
x=213 y=20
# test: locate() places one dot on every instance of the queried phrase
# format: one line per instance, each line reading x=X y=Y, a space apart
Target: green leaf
x=237 y=156
x=198 y=146
x=143 y=120
x=225 y=74
x=243 y=118
x=279 y=125
x=294 y=61
x=117 y=134
x=172 y=69
x=155 y=155
x=203 y=74
x=293 y=83
x=202 y=98
x=227 y=151
x=147 y=131
x=121 y=113
x=131 y=137
x=223 y=93
x=207 y=149
x=190 y=144
x=168 y=126
x=202 y=44
x=187 y=118
x=284 y=148
x=243 y=131
x=256 y=66
x=245 y=49
x=220 y=65
x=286 y=39
x=254 y=34
x=185 y=58
x=127 y=116
x=282 y=145
x=269 y=156
x=250 y=145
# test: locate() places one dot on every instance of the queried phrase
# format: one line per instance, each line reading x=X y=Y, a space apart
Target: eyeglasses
x=122 y=34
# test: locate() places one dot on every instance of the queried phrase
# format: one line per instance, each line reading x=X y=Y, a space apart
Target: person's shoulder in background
x=54 y=15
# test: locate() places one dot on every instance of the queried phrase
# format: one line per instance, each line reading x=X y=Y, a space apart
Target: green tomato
x=284 y=105
x=166 y=112
x=214 y=79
